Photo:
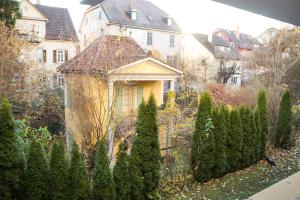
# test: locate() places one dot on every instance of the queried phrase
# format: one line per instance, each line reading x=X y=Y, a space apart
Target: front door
x=129 y=99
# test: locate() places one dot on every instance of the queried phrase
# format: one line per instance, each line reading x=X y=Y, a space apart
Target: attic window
x=169 y=21
x=133 y=14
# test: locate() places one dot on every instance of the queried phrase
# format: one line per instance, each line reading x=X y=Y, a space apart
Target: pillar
x=110 y=129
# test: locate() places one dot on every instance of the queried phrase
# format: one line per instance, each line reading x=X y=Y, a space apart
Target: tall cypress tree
x=219 y=133
x=247 y=148
x=37 y=174
x=58 y=172
x=10 y=164
x=234 y=141
x=135 y=174
x=226 y=116
x=258 y=135
x=147 y=147
x=103 y=187
x=121 y=174
x=79 y=188
x=254 y=138
x=263 y=113
x=203 y=141
x=284 y=122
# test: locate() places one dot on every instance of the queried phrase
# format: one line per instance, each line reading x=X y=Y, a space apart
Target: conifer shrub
x=79 y=188
x=219 y=132
x=258 y=143
x=226 y=116
x=103 y=186
x=247 y=147
x=263 y=113
x=58 y=172
x=10 y=163
x=121 y=174
x=203 y=141
x=135 y=174
x=146 y=147
x=234 y=141
x=254 y=138
x=36 y=181
x=284 y=122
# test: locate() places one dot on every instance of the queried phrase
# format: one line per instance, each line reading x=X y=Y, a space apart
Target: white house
x=152 y=28
x=52 y=36
x=208 y=60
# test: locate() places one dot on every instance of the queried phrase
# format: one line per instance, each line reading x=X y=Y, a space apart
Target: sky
x=203 y=16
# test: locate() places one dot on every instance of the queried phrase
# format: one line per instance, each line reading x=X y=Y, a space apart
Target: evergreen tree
x=121 y=174
x=10 y=163
x=247 y=147
x=58 y=172
x=203 y=141
x=219 y=132
x=234 y=141
x=37 y=174
x=226 y=116
x=103 y=183
x=147 y=147
x=258 y=135
x=79 y=188
x=284 y=122
x=254 y=138
x=263 y=113
x=10 y=12
x=135 y=174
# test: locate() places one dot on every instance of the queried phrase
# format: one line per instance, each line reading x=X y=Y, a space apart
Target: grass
x=244 y=183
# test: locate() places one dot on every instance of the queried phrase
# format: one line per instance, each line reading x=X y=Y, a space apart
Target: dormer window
x=133 y=14
x=169 y=21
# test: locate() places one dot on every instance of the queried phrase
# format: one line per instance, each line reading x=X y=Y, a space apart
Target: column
x=110 y=130
x=172 y=85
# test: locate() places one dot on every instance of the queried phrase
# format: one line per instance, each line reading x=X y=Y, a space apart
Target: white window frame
x=133 y=15
x=60 y=56
x=149 y=38
x=172 y=40
x=39 y=55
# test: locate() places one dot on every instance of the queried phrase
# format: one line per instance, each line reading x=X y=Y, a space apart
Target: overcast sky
x=202 y=16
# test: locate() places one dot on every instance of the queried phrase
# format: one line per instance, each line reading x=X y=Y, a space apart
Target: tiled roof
x=245 y=41
x=104 y=54
x=228 y=53
x=148 y=15
x=59 y=25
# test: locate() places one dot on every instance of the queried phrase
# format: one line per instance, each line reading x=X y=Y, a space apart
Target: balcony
x=30 y=37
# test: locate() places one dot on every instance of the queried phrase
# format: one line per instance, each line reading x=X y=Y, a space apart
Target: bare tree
x=271 y=64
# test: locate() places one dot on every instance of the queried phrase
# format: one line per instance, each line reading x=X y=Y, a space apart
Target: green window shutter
x=140 y=94
x=119 y=101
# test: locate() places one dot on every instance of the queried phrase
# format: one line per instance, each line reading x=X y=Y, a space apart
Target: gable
x=146 y=67
x=29 y=11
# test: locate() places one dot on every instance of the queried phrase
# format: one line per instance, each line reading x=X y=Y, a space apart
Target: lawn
x=244 y=183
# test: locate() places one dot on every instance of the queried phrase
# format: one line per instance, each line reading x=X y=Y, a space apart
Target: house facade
x=52 y=37
x=208 y=61
x=152 y=28
x=108 y=81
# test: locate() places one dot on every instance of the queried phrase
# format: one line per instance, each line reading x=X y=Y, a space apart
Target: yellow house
x=106 y=81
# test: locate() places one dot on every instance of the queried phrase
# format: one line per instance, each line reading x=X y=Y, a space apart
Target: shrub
x=258 y=143
x=234 y=141
x=121 y=176
x=219 y=132
x=247 y=147
x=284 y=122
x=262 y=109
x=37 y=174
x=79 y=188
x=103 y=183
x=147 y=147
x=58 y=172
x=10 y=163
x=203 y=141
x=135 y=174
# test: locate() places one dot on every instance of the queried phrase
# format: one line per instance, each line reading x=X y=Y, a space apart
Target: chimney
x=238 y=33
x=38 y=2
